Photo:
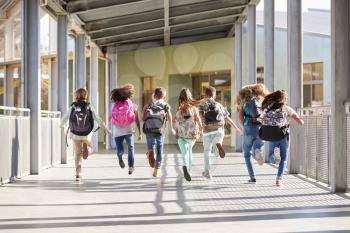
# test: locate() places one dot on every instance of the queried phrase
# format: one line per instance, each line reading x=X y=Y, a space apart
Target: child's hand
x=108 y=131
x=173 y=132
x=140 y=137
x=239 y=131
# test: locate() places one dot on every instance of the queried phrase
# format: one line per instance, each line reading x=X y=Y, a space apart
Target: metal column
x=340 y=58
x=31 y=64
x=94 y=89
x=295 y=48
x=62 y=73
x=80 y=75
x=269 y=31
x=238 y=68
x=111 y=81
x=252 y=43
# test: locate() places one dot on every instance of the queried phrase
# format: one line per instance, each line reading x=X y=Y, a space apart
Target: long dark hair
x=122 y=93
x=186 y=101
x=275 y=100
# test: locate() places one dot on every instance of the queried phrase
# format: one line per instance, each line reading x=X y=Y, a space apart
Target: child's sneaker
x=252 y=180
x=276 y=155
x=156 y=172
x=131 y=170
x=77 y=178
x=207 y=174
x=259 y=157
x=151 y=160
x=121 y=162
x=220 y=150
x=186 y=173
x=279 y=182
x=85 y=151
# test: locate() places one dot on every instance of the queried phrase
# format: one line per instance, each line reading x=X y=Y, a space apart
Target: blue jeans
x=284 y=147
x=156 y=142
x=131 y=149
x=209 y=143
x=251 y=141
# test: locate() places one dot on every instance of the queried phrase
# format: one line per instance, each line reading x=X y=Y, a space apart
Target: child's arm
x=229 y=121
x=170 y=119
x=241 y=117
x=199 y=120
x=297 y=119
x=100 y=122
x=138 y=125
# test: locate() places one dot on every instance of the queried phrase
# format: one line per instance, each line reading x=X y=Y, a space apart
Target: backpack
x=252 y=112
x=274 y=125
x=123 y=113
x=213 y=113
x=186 y=126
x=154 y=118
x=81 y=121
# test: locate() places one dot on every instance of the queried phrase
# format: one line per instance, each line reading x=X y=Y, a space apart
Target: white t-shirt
x=118 y=131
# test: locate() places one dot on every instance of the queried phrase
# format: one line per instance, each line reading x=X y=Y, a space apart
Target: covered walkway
x=109 y=200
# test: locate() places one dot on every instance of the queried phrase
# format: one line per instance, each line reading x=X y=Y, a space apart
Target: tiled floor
x=110 y=200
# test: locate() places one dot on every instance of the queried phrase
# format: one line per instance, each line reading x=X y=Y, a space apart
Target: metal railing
x=14 y=143
x=51 y=138
x=347 y=112
x=314 y=143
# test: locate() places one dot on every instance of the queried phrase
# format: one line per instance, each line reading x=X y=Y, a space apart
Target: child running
x=124 y=114
x=249 y=107
x=275 y=129
x=81 y=116
x=214 y=116
x=188 y=126
x=154 y=116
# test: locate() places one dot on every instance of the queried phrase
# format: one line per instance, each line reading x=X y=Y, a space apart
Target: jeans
x=156 y=142
x=251 y=141
x=209 y=140
x=131 y=149
x=283 y=145
x=186 y=146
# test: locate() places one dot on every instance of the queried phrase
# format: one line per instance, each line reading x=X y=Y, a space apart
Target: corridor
x=109 y=200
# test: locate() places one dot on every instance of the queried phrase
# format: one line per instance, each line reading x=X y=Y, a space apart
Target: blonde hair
x=81 y=94
x=248 y=92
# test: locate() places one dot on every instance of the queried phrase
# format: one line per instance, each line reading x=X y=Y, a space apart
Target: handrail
x=51 y=114
x=315 y=111
x=14 y=109
x=347 y=107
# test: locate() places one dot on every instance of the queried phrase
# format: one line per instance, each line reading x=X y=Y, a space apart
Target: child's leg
x=119 y=145
x=150 y=147
x=131 y=149
x=284 y=146
x=218 y=138
x=207 y=144
x=191 y=144
x=247 y=151
x=183 y=149
x=271 y=152
x=78 y=157
x=159 y=148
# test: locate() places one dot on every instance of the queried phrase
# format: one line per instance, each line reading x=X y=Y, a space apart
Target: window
x=2 y=44
x=313 y=84
x=45 y=70
x=17 y=37
x=148 y=89
x=2 y=85
x=260 y=74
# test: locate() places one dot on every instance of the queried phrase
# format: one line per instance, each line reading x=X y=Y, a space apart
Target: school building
x=49 y=48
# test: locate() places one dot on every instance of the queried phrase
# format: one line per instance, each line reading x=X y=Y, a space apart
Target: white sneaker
x=259 y=156
x=207 y=174
x=276 y=155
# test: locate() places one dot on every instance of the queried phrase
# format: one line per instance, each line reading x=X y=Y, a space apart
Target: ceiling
x=134 y=24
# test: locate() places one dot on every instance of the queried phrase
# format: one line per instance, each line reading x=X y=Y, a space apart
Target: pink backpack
x=123 y=113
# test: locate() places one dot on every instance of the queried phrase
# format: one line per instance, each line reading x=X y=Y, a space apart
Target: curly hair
x=122 y=93
x=275 y=100
x=248 y=92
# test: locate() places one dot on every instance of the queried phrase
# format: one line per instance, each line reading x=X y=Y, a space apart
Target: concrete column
x=94 y=89
x=252 y=43
x=53 y=86
x=31 y=65
x=9 y=43
x=9 y=89
x=80 y=61
x=269 y=31
x=340 y=30
x=111 y=80
x=294 y=69
x=238 y=68
x=62 y=73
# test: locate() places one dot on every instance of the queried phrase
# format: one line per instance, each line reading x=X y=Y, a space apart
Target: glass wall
x=2 y=85
x=313 y=84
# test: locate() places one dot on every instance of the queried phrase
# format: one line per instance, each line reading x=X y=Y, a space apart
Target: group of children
x=262 y=115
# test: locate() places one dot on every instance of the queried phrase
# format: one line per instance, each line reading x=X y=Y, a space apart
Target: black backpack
x=213 y=113
x=154 y=119
x=275 y=125
x=81 y=121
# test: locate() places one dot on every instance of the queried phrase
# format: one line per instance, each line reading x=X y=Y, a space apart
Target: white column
x=340 y=30
x=111 y=81
x=80 y=75
x=94 y=89
x=252 y=43
x=269 y=31
x=62 y=73
x=238 y=68
x=9 y=43
x=31 y=65
x=295 y=48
